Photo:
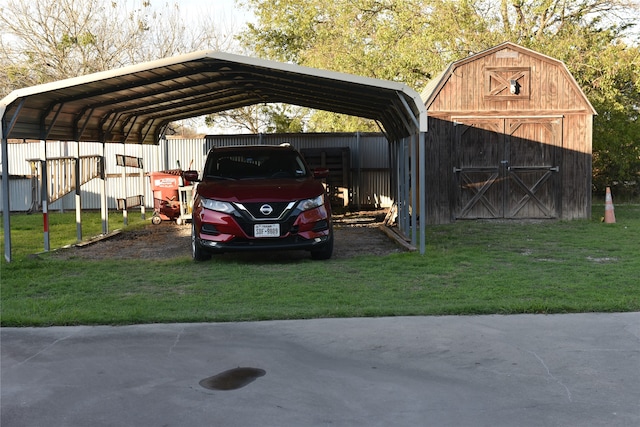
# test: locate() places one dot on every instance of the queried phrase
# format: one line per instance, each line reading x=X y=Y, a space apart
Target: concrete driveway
x=526 y=370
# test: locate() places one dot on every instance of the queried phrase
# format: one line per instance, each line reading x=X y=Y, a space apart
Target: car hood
x=260 y=190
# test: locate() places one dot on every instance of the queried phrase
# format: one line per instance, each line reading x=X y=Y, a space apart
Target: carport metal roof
x=135 y=104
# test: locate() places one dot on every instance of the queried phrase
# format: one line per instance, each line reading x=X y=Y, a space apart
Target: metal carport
x=135 y=104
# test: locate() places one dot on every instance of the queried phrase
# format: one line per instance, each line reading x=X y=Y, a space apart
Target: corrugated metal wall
x=369 y=165
x=369 y=159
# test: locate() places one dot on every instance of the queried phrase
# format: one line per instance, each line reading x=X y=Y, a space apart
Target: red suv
x=259 y=197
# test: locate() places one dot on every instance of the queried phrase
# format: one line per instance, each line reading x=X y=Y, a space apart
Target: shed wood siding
x=509 y=137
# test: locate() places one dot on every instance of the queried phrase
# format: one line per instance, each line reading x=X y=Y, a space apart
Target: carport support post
x=415 y=187
x=399 y=169
x=405 y=216
x=142 y=210
x=125 y=219
x=78 y=169
x=5 y=193
x=44 y=193
x=104 y=209
x=402 y=174
x=401 y=195
x=423 y=190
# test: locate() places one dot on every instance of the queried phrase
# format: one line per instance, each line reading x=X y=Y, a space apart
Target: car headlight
x=216 y=205
x=307 y=204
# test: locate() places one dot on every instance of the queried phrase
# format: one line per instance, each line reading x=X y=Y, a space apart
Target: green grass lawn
x=469 y=268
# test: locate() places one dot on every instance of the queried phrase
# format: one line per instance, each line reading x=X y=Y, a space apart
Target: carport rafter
x=44 y=129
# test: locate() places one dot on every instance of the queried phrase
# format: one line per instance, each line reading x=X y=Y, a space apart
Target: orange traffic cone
x=609 y=215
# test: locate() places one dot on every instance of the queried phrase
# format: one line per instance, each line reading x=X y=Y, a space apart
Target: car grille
x=282 y=213
x=278 y=210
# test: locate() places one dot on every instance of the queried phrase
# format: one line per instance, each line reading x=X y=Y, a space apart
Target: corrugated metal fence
x=368 y=169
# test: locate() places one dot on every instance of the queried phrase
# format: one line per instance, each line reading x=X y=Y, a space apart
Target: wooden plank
x=338 y=161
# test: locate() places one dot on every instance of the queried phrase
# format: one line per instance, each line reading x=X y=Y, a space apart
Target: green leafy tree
x=411 y=41
x=615 y=93
x=606 y=65
x=286 y=119
x=262 y=118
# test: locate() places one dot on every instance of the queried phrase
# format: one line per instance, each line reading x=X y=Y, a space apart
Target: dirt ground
x=355 y=234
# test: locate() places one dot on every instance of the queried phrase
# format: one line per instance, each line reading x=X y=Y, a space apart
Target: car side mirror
x=319 y=173
x=190 y=176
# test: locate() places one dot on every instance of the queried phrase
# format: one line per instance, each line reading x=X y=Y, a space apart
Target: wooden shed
x=509 y=137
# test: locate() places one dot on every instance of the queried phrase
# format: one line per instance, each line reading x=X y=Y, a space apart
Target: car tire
x=197 y=253
x=325 y=251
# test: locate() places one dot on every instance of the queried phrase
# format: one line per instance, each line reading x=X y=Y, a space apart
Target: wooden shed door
x=506 y=168
x=534 y=147
x=478 y=150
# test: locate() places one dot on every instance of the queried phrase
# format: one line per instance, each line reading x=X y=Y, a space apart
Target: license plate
x=266 y=230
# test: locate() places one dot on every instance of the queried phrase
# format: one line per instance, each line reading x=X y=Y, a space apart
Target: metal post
x=410 y=211
x=358 y=179
x=406 y=184
x=142 y=209
x=104 y=209
x=6 y=212
x=44 y=193
x=415 y=187
x=423 y=191
x=399 y=182
x=62 y=169
x=166 y=152
x=404 y=215
x=78 y=194
x=124 y=184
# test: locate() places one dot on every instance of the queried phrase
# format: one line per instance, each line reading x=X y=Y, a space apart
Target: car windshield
x=254 y=164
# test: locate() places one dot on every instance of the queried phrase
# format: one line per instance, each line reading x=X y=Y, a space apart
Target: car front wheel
x=197 y=253
x=325 y=251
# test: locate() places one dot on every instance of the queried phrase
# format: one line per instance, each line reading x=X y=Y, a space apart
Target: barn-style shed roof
x=134 y=104
x=432 y=89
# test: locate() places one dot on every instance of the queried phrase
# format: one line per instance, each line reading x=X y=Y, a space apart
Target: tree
x=615 y=93
x=286 y=119
x=44 y=40
x=411 y=41
x=259 y=118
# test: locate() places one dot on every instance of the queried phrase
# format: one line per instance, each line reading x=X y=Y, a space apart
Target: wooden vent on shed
x=507 y=83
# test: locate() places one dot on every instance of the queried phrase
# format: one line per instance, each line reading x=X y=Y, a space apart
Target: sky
x=226 y=9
